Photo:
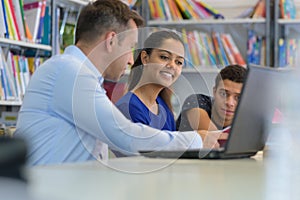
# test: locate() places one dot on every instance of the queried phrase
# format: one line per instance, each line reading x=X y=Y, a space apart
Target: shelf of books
x=15 y=73
x=215 y=35
x=287 y=31
x=25 y=35
x=25 y=21
x=29 y=32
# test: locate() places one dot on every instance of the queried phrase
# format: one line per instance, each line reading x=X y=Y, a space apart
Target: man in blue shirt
x=66 y=115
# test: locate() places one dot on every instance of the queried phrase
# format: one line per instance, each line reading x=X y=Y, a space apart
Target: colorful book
x=4 y=89
x=236 y=53
x=187 y=5
x=46 y=36
x=183 y=10
x=188 y=60
x=32 y=13
x=174 y=10
x=227 y=49
x=167 y=10
x=225 y=61
x=210 y=9
x=14 y=20
x=10 y=22
x=3 y=25
x=211 y=51
x=41 y=22
x=18 y=9
x=282 y=52
x=259 y=11
x=193 y=49
x=201 y=12
x=217 y=49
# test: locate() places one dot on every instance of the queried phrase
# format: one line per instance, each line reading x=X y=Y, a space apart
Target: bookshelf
x=61 y=14
x=286 y=36
x=236 y=27
x=31 y=52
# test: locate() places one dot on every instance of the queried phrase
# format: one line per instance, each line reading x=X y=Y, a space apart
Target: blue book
x=41 y=23
x=5 y=19
x=282 y=52
x=46 y=29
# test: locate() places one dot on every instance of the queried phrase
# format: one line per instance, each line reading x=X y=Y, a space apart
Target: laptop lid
x=259 y=98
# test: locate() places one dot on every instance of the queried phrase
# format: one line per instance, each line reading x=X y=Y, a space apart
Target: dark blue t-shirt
x=193 y=101
x=135 y=110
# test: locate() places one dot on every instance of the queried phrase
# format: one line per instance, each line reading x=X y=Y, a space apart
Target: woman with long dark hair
x=156 y=68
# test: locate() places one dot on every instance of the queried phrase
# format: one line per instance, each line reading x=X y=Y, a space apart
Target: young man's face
x=123 y=54
x=226 y=98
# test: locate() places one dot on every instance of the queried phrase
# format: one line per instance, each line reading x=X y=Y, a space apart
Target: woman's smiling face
x=163 y=66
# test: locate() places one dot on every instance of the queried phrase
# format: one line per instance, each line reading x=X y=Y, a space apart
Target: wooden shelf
x=193 y=70
x=288 y=21
x=9 y=42
x=10 y=103
x=200 y=70
x=205 y=21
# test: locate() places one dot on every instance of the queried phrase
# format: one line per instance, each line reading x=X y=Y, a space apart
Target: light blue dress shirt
x=67 y=117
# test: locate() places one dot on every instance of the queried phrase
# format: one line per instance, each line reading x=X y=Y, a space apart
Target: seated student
x=156 y=68
x=202 y=112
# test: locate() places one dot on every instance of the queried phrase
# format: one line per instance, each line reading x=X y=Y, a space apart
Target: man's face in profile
x=122 y=53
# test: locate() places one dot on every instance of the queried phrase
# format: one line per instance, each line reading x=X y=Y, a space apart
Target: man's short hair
x=235 y=73
x=100 y=16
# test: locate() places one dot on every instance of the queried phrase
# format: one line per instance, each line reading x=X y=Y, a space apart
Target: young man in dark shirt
x=202 y=112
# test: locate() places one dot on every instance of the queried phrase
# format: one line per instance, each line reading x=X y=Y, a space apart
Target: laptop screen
x=258 y=102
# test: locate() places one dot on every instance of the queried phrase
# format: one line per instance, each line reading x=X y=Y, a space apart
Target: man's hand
x=210 y=138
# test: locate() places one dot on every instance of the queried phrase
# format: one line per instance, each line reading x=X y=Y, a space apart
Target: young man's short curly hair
x=235 y=73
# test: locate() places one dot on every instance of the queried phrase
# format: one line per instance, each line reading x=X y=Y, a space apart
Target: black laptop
x=259 y=97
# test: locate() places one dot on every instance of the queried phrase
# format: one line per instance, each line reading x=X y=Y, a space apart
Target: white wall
x=191 y=83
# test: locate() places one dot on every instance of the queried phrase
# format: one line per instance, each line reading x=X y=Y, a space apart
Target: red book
x=222 y=142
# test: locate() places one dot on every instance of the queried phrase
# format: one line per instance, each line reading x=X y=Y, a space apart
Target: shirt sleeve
x=95 y=115
x=193 y=101
x=198 y=101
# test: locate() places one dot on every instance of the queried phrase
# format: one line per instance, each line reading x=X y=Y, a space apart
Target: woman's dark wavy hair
x=154 y=41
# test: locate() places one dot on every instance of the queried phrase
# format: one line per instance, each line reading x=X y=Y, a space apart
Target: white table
x=144 y=178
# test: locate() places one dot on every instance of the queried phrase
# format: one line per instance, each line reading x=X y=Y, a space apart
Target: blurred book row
x=8 y=121
x=15 y=72
x=219 y=49
x=173 y=10
x=289 y=51
x=28 y=22
x=288 y=9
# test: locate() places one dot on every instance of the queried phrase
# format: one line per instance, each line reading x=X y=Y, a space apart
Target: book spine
x=237 y=55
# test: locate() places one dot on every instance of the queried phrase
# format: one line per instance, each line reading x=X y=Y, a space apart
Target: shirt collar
x=75 y=51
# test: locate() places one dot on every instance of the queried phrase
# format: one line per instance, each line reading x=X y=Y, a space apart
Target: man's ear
x=214 y=90
x=144 y=57
x=110 y=40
